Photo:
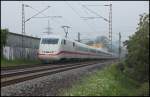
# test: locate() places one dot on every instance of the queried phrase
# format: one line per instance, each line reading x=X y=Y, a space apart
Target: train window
x=49 y=41
x=82 y=49
x=99 y=52
x=64 y=42
x=92 y=50
x=73 y=44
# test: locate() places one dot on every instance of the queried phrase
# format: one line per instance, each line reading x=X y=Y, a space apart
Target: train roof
x=52 y=35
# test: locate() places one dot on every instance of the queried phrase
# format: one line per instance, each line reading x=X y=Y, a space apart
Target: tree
x=103 y=40
x=137 y=61
x=90 y=42
x=4 y=33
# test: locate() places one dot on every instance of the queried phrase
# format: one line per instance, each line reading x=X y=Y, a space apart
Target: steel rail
x=35 y=69
x=5 y=81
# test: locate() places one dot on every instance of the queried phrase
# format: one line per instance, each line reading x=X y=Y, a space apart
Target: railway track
x=39 y=65
x=20 y=75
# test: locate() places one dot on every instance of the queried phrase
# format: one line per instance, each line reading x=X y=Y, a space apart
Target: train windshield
x=49 y=41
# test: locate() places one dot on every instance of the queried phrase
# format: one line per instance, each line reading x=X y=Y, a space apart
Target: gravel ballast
x=49 y=85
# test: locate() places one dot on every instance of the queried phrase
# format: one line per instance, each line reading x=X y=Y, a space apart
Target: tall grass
x=107 y=82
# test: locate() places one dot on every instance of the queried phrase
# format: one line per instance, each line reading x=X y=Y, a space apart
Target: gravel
x=50 y=85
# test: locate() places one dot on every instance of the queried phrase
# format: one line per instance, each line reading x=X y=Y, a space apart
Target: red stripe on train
x=68 y=52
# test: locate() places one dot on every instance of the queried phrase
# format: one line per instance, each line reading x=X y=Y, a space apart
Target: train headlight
x=48 y=51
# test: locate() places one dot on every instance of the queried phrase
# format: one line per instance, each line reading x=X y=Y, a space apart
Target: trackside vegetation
x=137 y=60
x=4 y=33
x=107 y=82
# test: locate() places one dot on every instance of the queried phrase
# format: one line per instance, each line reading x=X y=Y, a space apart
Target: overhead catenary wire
x=44 y=16
x=49 y=17
x=33 y=9
x=79 y=15
x=97 y=5
x=95 y=13
x=37 y=13
x=87 y=13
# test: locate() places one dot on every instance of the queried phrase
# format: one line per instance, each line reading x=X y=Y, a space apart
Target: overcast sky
x=125 y=17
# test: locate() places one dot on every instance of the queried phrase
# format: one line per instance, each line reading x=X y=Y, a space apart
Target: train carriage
x=54 y=47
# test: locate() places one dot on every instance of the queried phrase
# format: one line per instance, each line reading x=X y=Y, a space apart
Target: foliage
x=90 y=42
x=137 y=61
x=107 y=82
x=103 y=40
x=143 y=90
x=3 y=36
x=4 y=33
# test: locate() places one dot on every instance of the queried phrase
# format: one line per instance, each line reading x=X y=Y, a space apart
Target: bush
x=137 y=60
x=4 y=33
x=120 y=66
x=143 y=90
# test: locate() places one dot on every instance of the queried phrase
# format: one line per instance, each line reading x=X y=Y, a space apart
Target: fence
x=12 y=53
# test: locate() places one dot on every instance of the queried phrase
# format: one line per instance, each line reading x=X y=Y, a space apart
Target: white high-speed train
x=55 y=47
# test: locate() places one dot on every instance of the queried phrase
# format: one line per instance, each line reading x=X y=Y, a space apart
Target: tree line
x=4 y=33
x=137 y=60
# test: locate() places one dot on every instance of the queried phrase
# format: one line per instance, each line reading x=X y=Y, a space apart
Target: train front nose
x=49 y=48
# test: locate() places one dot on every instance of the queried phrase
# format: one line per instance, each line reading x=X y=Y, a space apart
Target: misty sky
x=125 y=17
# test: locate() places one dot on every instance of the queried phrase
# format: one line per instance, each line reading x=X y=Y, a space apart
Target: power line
x=78 y=14
x=37 y=14
x=88 y=17
x=49 y=17
x=48 y=28
x=95 y=13
x=72 y=8
x=87 y=14
x=97 y=5
x=33 y=9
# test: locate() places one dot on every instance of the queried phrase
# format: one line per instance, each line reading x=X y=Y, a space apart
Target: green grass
x=107 y=82
x=8 y=63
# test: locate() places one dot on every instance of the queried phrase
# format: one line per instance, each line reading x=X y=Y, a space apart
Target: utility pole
x=23 y=20
x=66 y=30
x=110 y=25
x=48 y=28
x=79 y=36
x=23 y=28
x=119 y=46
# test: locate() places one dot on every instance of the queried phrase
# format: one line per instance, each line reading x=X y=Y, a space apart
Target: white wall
x=12 y=53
